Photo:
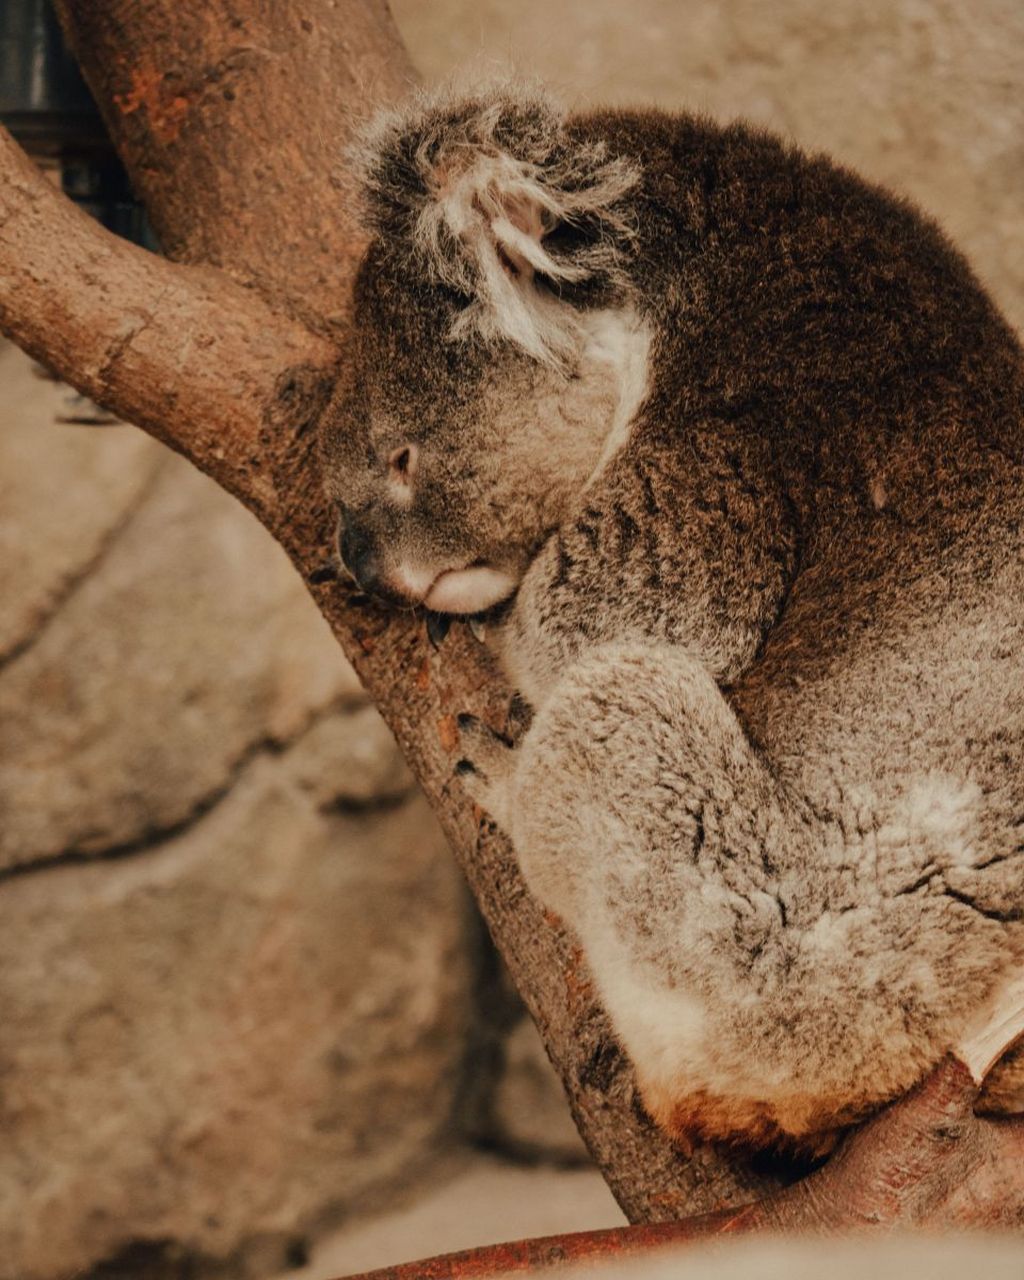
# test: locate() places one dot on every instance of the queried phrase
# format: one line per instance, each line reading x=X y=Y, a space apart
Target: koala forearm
x=686 y=537
x=723 y=918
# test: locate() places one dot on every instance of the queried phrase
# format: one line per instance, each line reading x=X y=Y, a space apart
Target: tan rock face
x=189 y=640
x=219 y=1037
x=235 y=975
x=529 y=1116
x=49 y=536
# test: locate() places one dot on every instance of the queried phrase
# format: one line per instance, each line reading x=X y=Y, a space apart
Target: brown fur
x=694 y=1118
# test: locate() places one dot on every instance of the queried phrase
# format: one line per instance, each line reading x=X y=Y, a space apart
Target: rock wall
x=236 y=961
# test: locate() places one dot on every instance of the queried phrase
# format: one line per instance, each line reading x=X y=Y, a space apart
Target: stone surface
x=65 y=491
x=529 y=1115
x=216 y=1039
x=366 y=766
x=189 y=642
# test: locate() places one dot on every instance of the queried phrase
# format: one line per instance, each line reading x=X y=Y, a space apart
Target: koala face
x=451 y=459
x=495 y=348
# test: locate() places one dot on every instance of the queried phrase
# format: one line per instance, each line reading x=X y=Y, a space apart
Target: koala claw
x=438 y=626
x=486 y=765
x=482 y=739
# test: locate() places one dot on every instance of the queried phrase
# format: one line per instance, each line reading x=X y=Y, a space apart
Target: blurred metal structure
x=46 y=105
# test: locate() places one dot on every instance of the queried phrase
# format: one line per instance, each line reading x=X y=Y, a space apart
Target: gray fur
x=753 y=542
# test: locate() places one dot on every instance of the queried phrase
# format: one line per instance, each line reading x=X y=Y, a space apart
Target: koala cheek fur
x=755 y=432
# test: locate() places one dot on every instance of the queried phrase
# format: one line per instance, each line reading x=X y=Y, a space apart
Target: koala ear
x=491 y=198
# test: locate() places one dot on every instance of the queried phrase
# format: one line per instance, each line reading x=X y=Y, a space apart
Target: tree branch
x=198 y=361
x=230 y=122
x=927 y=1162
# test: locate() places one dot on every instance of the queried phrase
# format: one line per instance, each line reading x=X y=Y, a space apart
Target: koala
x=726 y=445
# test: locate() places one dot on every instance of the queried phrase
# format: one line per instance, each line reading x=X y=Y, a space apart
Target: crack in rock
x=299 y=768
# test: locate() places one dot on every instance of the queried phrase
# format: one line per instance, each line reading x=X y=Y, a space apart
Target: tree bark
x=231 y=117
x=197 y=360
x=928 y=1162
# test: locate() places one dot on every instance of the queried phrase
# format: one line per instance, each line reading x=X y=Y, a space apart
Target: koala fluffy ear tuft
x=492 y=199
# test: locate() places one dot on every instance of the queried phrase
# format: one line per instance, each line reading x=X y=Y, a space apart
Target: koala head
x=495 y=346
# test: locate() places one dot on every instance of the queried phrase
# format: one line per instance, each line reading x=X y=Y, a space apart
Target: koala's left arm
x=686 y=535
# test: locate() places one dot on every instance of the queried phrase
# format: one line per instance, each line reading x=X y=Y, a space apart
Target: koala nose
x=358 y=555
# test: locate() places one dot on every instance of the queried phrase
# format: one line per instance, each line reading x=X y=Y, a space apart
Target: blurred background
x=249 y=1022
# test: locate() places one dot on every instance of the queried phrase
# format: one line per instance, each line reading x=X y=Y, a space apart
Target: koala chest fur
x=728 y=445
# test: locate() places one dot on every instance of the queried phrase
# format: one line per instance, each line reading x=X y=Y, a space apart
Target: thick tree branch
x=230 y=118
x=928 y=1163
x=232 y=129
x=199 y=361
x=232 y=121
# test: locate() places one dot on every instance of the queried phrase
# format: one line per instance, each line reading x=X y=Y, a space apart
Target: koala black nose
x=358 y=555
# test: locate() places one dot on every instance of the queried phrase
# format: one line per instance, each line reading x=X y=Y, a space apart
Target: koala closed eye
x=402 y=465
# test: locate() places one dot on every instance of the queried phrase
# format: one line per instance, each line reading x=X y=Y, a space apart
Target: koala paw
x=485 y=765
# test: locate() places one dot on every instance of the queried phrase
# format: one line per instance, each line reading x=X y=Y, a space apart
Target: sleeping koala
x=729 y=443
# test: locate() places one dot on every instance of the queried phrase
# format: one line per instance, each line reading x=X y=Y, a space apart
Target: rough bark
x=231 y=118
x=199 y=361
